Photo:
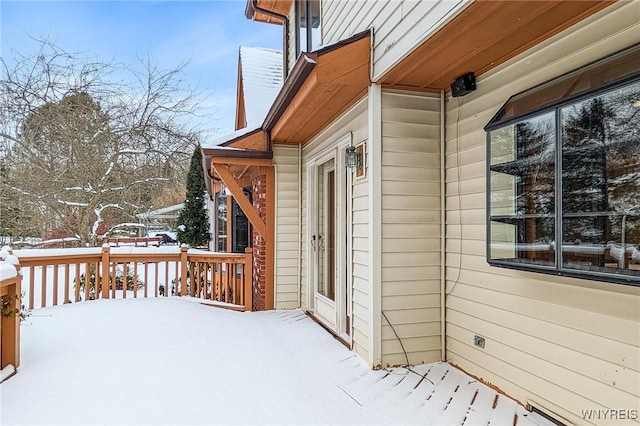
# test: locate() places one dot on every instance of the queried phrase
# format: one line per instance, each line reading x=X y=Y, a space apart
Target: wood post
x=183 y=270
x=105 y=275
x=10 y=325
x=248 y=279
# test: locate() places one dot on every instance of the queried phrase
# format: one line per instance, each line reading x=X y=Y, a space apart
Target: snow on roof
x=159 y=212
x=230 y=136
x=261 y=72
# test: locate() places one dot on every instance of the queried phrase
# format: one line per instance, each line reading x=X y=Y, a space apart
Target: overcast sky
x=206 y=33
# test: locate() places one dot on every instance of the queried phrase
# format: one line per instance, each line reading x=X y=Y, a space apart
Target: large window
x=233 y=233
x=308 y=31
x=221 y=222
x=564 y=176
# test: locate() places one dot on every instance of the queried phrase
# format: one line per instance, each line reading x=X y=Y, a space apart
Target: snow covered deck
x=175 y=361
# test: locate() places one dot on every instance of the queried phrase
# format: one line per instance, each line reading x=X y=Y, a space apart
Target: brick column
x=259 y=244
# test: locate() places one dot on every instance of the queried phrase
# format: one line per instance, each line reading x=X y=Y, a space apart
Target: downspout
x=443 y=229
x=285 y=35
x=300 y=225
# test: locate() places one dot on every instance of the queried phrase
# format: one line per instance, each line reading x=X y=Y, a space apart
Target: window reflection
x=596 y=177
x=601 y=181
x=308 y=29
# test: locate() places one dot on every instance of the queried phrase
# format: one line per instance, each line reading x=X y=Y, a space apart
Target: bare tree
x=84 y=142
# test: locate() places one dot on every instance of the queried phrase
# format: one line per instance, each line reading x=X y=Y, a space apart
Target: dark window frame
x=309 y=40
x=559 y=215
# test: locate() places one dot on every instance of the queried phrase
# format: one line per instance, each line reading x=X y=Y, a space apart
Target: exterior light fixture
x=352 y=158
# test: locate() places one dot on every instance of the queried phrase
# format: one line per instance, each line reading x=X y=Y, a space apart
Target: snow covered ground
x=176 y=362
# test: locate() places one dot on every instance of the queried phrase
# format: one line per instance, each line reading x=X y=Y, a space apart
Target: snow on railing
x=51 y=277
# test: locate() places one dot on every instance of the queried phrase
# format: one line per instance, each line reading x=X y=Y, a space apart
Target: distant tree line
x=86 y=144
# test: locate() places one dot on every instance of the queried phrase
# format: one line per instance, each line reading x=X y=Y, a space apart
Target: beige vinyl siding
x=558 y=343
x=291 y=37
x=361 y=298
x=354 y=121
x=410 y=227
x=399 y=26
x=287 y=256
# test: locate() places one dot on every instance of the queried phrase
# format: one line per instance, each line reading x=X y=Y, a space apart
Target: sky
x=205 y=33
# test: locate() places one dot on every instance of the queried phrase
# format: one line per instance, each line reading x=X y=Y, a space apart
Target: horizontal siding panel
x=418 y=116
x=607 y=314
x=407 y=159
x=607 y=347
x=423 y=357
x=410 y=280
x=408 y=316
x=554 y=375
x=410 y=174
x=421 y=231
x=410 y=216
x=605 y=371
x=468 y=186
x=410 y=259
x=410 y=130
x=409 y=145
x=406 y=245
x=410 y=202
x=413 y=287
x=410 y=188
x=422 y=102
x=411 y=345
x=403 y=302
x=466 y=157
x=523 y=385
x=411 y=330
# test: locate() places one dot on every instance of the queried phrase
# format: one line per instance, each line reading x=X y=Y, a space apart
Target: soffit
x=321 y=86
x=280 y=7
x=482 y=36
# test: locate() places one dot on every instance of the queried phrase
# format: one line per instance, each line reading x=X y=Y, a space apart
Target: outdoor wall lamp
x=352 y=158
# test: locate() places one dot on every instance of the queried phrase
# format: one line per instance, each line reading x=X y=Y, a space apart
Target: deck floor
x=436 y=393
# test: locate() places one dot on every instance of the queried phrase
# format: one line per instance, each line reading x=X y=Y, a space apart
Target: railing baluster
x=43 y=295
x=67 y=298
x=196 y=275
x=87 y=281
x=242 y=293
x=146 y=281
x=113 y=279
x=135 y=279
x=32 y=272
x=219 y=282
x=125 y=279
x=56 y=270
x=207 y=268
x=77 y=281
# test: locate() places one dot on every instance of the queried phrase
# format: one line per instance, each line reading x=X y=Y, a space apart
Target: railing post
x=183 y=269
x=105 y=271
x=10 y=326
x=248 y=279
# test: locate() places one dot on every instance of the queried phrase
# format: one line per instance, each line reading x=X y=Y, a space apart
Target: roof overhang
x=320 y=87
x=238 y=161
x=482 y=36
x=233 y=167
x=264 y=10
